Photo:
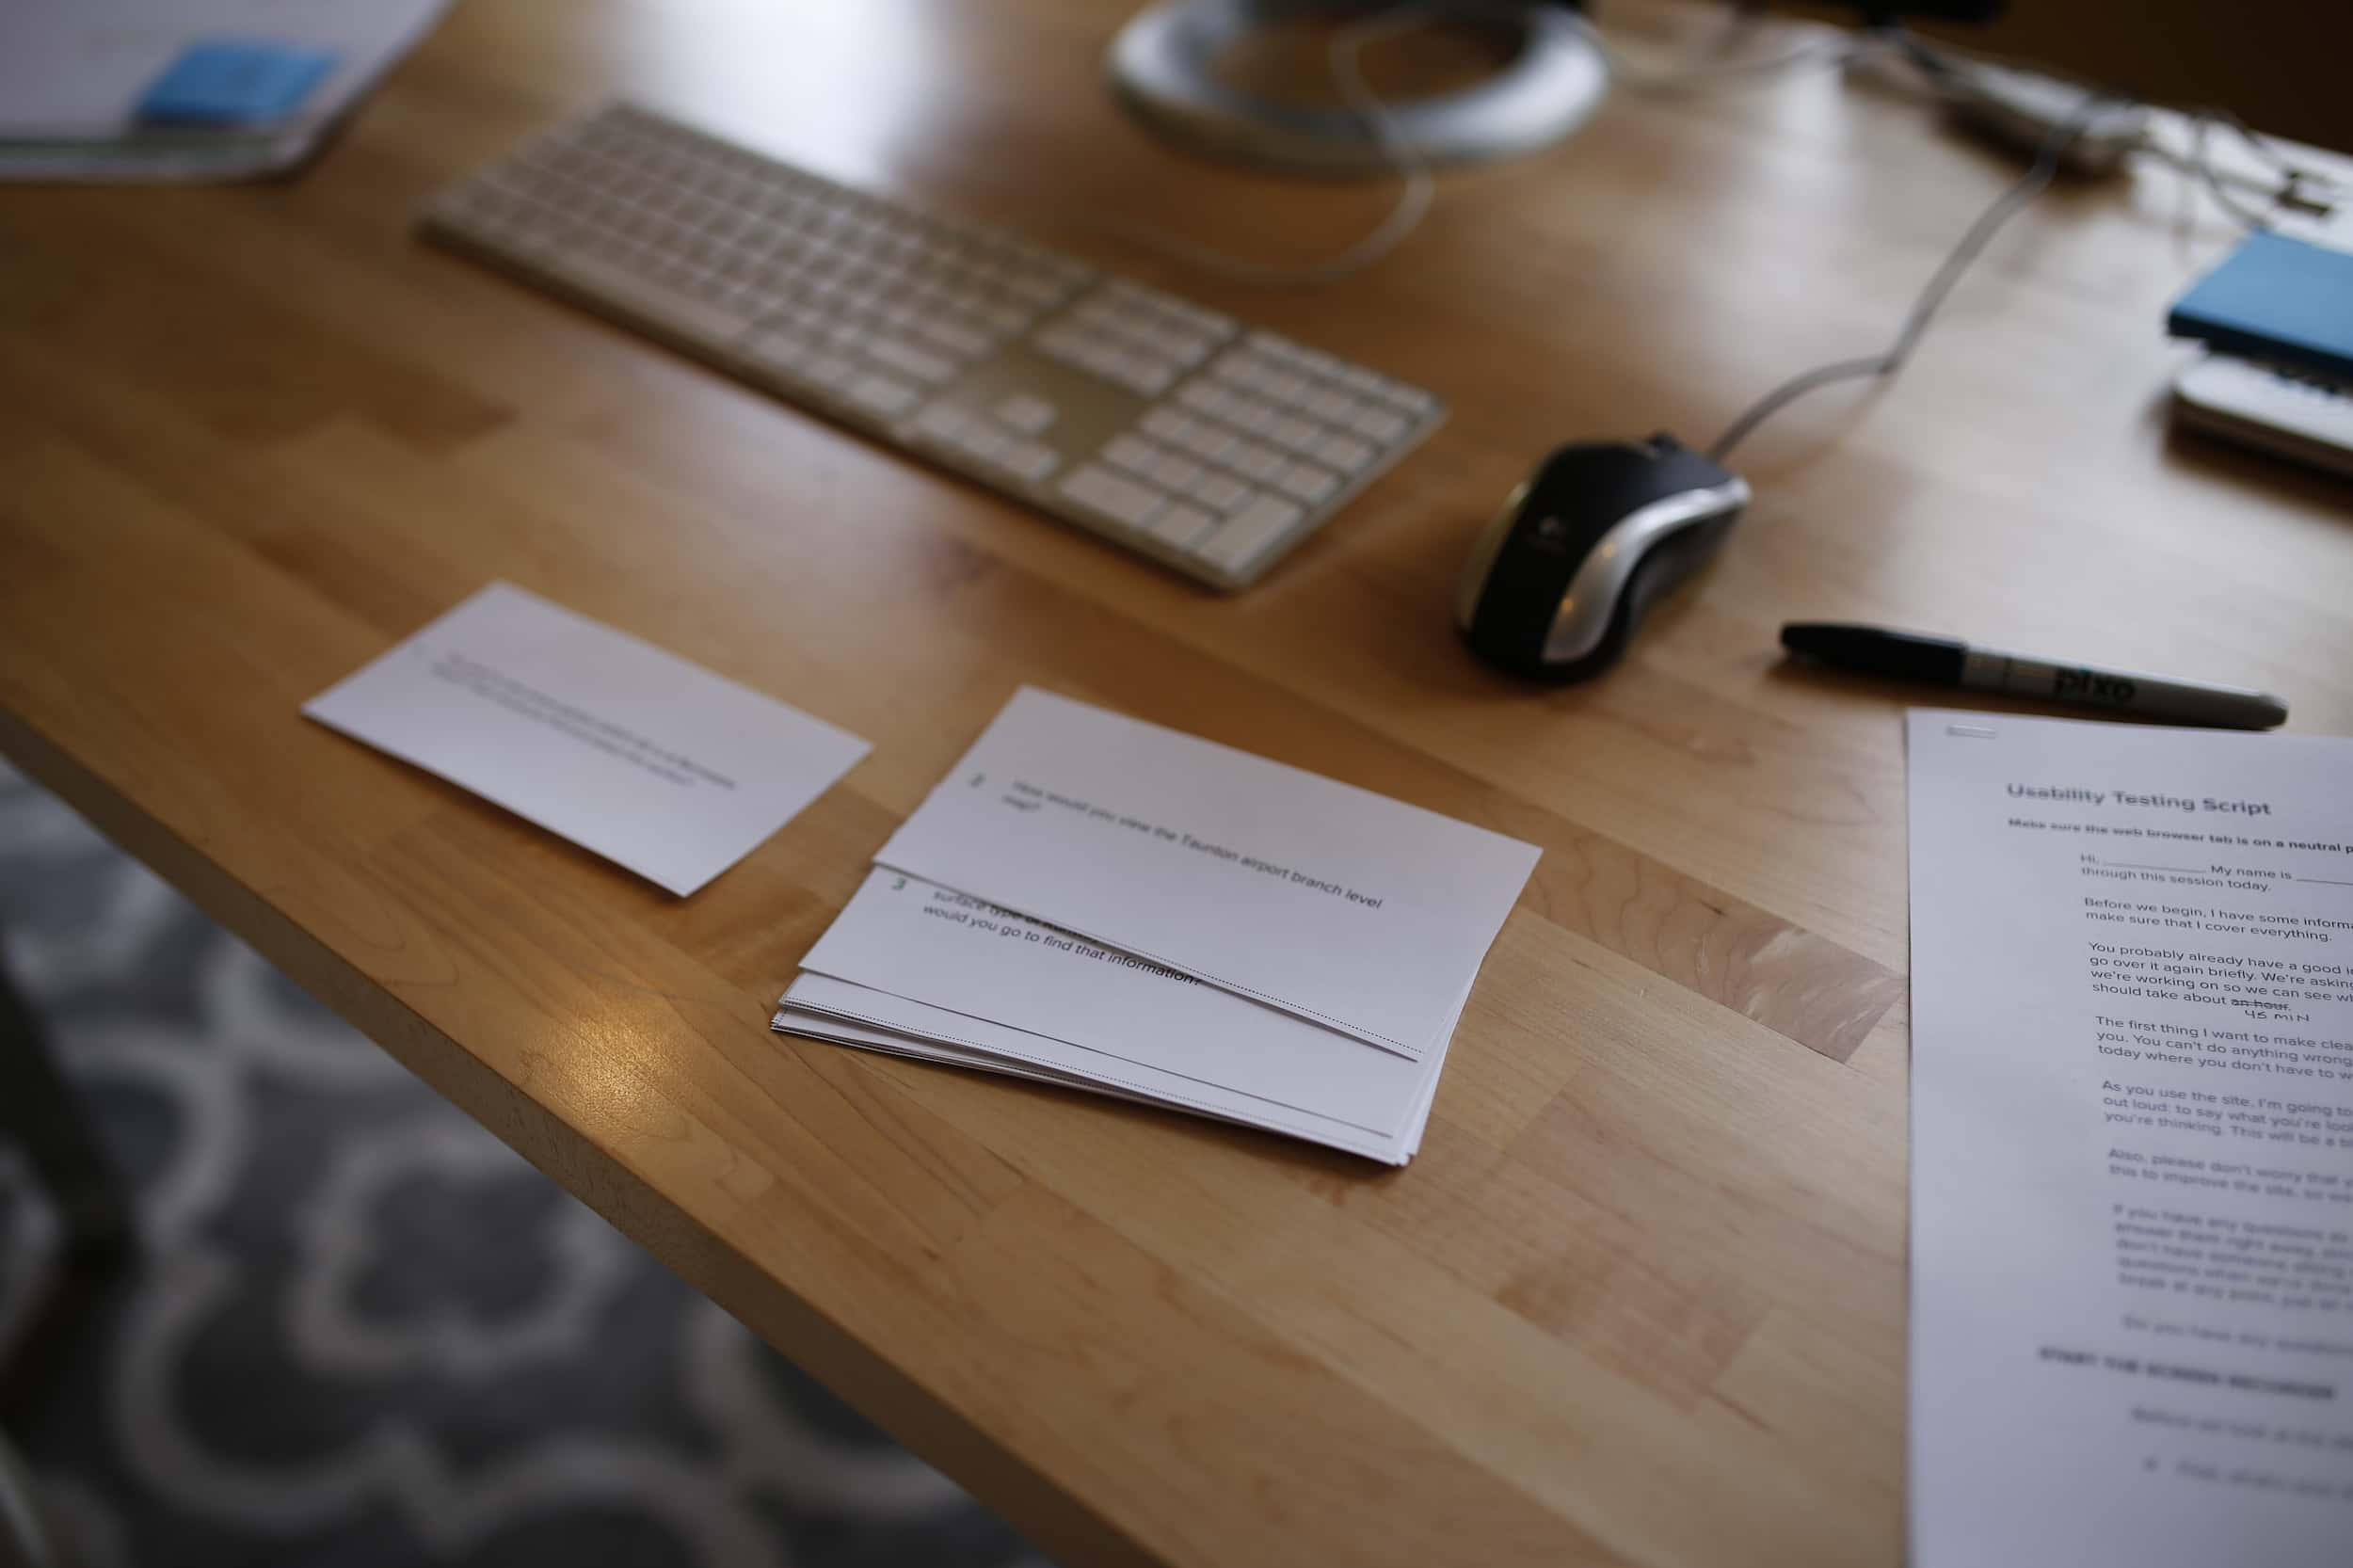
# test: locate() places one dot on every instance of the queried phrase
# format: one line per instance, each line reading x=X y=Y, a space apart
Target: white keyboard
x=1175 y=431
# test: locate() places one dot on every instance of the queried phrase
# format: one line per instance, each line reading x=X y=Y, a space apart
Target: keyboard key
x=780 y=351
x=1221 y=492
x=1030 y=414
x=1210 y=442
x=1247 y=375
x=1181 y=524
x=943 y=421
x=1156 y=303
x=1257 y=462
x=1138 y=373
x=986 y=441
x=1204 y=397
x=883 y=394
x=1345 y=453
x=1032 y=460
x=1166 y=424
x=1247 y=534
x=1327 y=405
x=659 y=303
x=956 y=337
x=1211 y=325
x=1108 y=495
x=1293 y=433
x=829 y=370
x=1134 y=455
x=1307 y=481
x=1099 y=314
x=1412 y=401
x=1379 y=423
x=1248 y=413
x=922 y=363
x=1173 y=473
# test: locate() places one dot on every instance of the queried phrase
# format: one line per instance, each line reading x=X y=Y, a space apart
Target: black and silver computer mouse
x=1558 y=580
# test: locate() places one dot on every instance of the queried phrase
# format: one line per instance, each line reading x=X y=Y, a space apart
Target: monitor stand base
x=1163 y=66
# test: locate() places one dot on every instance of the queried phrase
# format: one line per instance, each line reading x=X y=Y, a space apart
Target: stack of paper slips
x=1103 y=904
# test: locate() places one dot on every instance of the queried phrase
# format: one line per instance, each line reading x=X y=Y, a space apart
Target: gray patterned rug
x=359 y=1331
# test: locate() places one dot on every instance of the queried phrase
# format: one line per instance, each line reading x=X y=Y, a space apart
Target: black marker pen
x=1943 y=662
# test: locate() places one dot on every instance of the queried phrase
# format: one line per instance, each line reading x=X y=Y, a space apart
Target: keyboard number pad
x=1262 y=434
x=1135 y=338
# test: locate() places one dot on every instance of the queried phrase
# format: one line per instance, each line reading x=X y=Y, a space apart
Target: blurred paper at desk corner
x=74 y=74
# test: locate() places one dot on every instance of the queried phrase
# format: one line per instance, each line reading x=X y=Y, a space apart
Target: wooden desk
x=1642 y=1297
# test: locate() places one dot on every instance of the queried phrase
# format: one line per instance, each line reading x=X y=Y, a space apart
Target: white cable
x=2293 y=188
x=2212 y=179
x=1952 y=72
x=2185 y=189
x=1890 y=361
x=2196 y=161
x=1699 y=74
x=1413 y=196
x=2261 y=147
x=2198 y=171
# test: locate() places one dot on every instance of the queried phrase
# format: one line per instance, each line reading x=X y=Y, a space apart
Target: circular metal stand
x=1165 y=66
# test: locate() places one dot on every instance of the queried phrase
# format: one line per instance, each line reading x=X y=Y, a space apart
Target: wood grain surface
x=1640 y=1298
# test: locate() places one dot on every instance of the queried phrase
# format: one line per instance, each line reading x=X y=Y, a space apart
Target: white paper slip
x=653 y=762
x=2132 y=1145
x=841 y=1031
x=844 y=1014
x=1356 y=911
x=72 y=76
x=836 y=1031
x=874 y=1020
x=906 y=937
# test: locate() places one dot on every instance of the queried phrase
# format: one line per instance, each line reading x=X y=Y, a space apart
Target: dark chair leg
x=40 y=1111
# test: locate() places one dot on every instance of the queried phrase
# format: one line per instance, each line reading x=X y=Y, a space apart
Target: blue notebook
x=2276 y=299
x=226 y=82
